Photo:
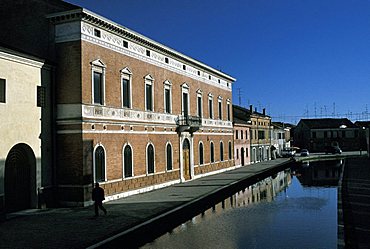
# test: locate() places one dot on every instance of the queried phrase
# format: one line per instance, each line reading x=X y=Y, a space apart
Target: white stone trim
x=81 y=30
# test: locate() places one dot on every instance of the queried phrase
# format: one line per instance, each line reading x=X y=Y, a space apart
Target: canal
x=295 y=208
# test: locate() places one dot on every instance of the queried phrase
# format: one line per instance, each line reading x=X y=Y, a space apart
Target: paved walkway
x=354 y=205
x=130 y=219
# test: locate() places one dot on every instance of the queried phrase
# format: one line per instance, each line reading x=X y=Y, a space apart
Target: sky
x=296 y=58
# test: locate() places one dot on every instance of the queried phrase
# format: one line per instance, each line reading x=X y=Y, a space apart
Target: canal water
x=295 y=208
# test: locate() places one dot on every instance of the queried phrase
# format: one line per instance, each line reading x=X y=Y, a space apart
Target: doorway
x=19 y=182
x=186 y=159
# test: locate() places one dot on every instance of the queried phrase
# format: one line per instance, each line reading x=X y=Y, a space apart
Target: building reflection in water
x=277 y=206
x=264 y=190
x=323 y=173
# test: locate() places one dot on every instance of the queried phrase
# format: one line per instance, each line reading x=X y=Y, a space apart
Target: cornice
x=106 y=24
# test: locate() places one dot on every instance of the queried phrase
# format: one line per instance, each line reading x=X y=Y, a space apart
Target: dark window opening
x=201 y=160
x=169 y=157
x=97 y=33
x=128 y=161
x=149 y=100
x=126 y=93
x=125 y=44
x=98 y=88
x=2 y=90
x=150 y=159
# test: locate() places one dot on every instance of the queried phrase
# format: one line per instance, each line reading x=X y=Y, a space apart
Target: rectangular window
x=98 y=88
x=228 y=112
x=210 y=106
x=185 y=104
x=2 y=91
x=149 y=100
x=126 y=93
x=167 y=99
x=220 y=110
x=125 y=44
x=97 y=33
x=199 y=103
x=261 y=134
x=241 y=134
x=147 y=52
x=41 y=96
x=237 y=134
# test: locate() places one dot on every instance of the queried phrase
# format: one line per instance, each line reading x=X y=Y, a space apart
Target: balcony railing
x=189 y=123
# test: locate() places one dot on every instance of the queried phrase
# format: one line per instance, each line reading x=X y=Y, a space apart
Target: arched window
x=230 y=148
x=169 y=156
x=150 y=159
x=127 y=161
x=212 y=153
x=201 y=159
x=99 y=164
x=221 y=151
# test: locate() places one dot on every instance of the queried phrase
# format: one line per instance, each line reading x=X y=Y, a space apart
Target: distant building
x=280 y=137
x=363 y=127
x=260 y=130
x=316 y=134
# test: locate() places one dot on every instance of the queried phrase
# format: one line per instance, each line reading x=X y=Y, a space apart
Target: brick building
x=130 y=112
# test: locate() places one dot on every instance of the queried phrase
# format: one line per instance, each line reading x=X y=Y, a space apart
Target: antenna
x=240 y=96
x=333 y=109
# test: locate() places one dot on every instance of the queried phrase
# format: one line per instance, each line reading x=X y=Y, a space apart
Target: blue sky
x=296 y=58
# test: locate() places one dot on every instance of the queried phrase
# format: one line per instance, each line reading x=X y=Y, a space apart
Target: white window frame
x=99 y=67
x=228 y=104
x=200 y=95
x=149 y=80
x=123 y=161
x=105 y=162
x=169 y=143
x=219 y=101
x=126 y=73
x=167 y=86
x=146 y=159
x=185 y=89
x=210 y=108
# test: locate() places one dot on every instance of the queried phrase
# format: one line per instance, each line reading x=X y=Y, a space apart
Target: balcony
x=189 y=123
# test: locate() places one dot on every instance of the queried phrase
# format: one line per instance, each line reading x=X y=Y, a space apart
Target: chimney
x=264 y=111
x=251 y=108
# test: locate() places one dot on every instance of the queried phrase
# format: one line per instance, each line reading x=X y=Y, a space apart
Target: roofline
x=122 y=30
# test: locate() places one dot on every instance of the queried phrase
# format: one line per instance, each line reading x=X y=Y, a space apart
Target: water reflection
x=285 y=210
x=324 y=173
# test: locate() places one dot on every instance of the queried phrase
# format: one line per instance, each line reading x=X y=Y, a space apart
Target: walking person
x=98 y=197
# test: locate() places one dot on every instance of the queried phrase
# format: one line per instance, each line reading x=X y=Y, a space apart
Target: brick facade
x=84 y=127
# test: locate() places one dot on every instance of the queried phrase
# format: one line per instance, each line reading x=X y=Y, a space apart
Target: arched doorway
x=20 y=181
x=186 y=159
x=242 y=156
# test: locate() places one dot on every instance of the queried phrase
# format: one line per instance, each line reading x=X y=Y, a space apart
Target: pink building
x=241 y=142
